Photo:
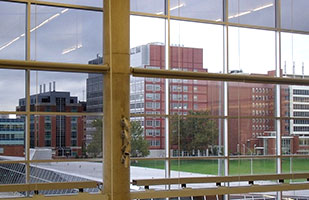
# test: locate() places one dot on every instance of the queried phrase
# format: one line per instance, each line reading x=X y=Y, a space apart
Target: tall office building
x=63 y=134
x=94 y=101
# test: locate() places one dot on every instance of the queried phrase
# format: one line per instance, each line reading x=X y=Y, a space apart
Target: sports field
x=237 y=166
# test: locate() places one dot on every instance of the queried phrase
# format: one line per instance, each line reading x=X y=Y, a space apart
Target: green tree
x=194 y=132
x=95 y=147
x=139 y=146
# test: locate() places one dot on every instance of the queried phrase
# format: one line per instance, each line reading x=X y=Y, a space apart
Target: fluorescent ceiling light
x=33 y=29
x=173 y=8
x=68 y=50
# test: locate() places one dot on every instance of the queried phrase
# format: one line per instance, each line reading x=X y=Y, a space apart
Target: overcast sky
x=75 y=36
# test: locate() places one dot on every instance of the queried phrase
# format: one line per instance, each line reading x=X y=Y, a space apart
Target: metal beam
x=116 y=176
x=47 y=186
x=142 y=72
x=217 y=191
x=52 y=66
x=216 y=179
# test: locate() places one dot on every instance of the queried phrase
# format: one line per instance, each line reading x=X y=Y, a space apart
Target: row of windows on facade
x=301 y=114
x=301 y=128
x=260 y=127
x=261 y=90
x=11 y=127
x=260 y=98
x=301 y=106
x=261 y=112
x=9 y=136
x=154 y=143
x=153 y=132
x=301 y=92
x=301 y=99
x=260 y=120
x=261 y=105
x=153 y=123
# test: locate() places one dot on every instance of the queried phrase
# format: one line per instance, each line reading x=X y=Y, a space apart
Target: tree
x=95 y=147
x=139 y=146
x=195 y=132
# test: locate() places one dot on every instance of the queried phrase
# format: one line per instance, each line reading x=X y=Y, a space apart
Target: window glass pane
x=55 y=172
x=261 y=13
x=294 y=55
x=65 y=136
x=294 y=129
x=148 y=6
x=12 y=34
x=147 y=42
x=196 y=168
x=64 y=92
x=12 y=88
x=147 y=169
x=242 y=166
x=199 y=9
x=255 y=135
x=12 y=138
x=97 y=3
x=249 y=55
x=65 y=35
x=294 y=14
x=196 y=45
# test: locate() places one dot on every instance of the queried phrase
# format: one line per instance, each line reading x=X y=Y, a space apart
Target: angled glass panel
x=148 y=6
x=96 y=3
x=198 y=9
x=147 y=42
x=198 y=45
x=12 y=33
x=251 y=51
x=294 y=14
x=294 y=59
x=65 y=35
x=12 y=88
x=260 y=13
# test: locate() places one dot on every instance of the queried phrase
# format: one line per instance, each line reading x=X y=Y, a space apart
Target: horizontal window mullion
x=142 y=72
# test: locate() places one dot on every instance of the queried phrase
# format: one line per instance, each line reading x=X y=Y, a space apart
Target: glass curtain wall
x=197 y=128
x=51 y=118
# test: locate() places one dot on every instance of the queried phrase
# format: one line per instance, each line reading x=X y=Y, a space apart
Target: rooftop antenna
x=303 y=70
x=83 y=95
x=284 y=67
x=293 y=69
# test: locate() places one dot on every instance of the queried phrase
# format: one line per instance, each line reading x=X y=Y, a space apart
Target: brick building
x=251 y=133
x=63 y=134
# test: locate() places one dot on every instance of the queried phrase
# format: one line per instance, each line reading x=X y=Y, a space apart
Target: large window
x=218 y=88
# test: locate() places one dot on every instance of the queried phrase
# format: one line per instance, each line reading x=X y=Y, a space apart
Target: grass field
x=237 y=166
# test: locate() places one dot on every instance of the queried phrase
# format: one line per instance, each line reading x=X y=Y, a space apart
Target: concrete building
x=63 y=134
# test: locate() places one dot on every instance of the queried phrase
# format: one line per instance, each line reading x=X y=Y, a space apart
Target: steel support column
x=116 y=180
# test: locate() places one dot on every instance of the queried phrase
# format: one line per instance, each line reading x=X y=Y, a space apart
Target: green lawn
x=237 y=166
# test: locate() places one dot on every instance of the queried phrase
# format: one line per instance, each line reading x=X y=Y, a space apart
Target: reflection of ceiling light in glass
x=173 y=8
x=33 y=29
x=68 y=50
x=248 y=12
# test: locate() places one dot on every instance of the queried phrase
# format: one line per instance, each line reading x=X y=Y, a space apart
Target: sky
x=75 y=36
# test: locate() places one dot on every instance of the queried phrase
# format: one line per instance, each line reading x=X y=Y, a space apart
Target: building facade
x=12 y=137
x=63 y=134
